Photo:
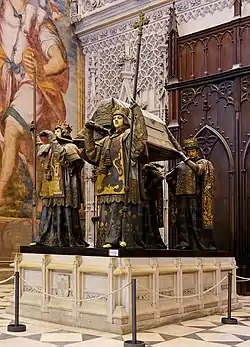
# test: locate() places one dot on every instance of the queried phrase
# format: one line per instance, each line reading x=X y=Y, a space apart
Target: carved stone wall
x=105 y=28
x=113 y=54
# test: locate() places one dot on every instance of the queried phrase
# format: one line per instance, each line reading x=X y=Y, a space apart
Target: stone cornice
x=123 y=27
x=118 y=11
x=118 y=16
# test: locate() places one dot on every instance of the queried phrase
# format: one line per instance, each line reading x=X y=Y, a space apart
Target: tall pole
x=34 y=195
x=138 y=25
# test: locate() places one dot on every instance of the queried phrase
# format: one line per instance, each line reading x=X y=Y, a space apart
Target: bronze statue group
x=129 y=197
x=129 y=188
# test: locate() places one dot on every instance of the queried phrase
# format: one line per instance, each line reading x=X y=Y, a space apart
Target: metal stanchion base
x=227 y=320
x=19 y=328
x=130 y=343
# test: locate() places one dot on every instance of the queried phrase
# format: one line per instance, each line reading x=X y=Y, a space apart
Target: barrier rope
x=7 y=279
x=242 y=279
x=183 y=297
x=119 y=289
x=71 y=299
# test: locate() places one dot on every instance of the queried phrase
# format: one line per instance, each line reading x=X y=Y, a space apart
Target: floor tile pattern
x=202 y=332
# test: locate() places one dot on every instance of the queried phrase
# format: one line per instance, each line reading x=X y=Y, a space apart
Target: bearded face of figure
x=118 y=121
x=58 y=132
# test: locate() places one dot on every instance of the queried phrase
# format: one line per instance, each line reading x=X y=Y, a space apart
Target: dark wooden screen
x=209 y=94
x=202 y=111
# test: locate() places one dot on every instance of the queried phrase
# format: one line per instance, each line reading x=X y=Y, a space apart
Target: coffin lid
x=160 y=145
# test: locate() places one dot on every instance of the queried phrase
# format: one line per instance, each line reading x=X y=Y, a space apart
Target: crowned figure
x=61 y=189
x=192 y=187
x=110 y=155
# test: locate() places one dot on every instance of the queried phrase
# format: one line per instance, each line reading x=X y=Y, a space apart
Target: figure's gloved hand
x=96 y=127
x=183 y=156
x=170 y=173
x=90 y=124
x=32 y=126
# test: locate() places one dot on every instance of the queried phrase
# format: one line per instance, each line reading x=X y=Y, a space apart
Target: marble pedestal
x=78 y=285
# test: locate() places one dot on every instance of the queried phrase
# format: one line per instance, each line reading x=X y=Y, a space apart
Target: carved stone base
x=79 y=284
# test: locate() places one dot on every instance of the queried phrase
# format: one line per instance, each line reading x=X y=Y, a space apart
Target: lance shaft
x=138 y=25
x=34 y=195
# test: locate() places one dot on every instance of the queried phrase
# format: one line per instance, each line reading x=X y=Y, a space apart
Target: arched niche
x=215 y=148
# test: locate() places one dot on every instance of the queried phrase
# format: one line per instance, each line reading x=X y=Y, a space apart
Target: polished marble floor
x=202 y=332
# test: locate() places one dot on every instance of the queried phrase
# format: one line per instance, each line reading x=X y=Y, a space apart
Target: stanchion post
x=134 y=333
x=16 y=327
x=229 y=319
x=134 y=342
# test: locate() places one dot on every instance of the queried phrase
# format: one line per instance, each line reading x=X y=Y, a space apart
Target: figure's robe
x=192 y=196
x=61 y=195
x=110 y=184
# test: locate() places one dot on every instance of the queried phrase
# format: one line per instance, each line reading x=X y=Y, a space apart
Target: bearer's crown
x=66 y=130
x=122 y=111
x=191 y=143
x=64 y=126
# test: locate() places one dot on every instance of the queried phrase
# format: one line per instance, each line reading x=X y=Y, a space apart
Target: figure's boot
x=182 y=246
x=107 y=245
x=205 y=240
x=183 y=240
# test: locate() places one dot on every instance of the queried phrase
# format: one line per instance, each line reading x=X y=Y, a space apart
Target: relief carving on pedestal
x=62 y=285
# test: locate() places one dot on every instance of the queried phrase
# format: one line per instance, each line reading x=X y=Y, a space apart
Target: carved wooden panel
x=207 y=112
x=213 y=51
x=214 y=105
x=206 y=55
x=244 y=239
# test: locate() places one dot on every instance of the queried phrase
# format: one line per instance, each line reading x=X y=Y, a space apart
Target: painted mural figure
x=192 y=187
x=110 y=156
x=28 y=38
x=61 y=189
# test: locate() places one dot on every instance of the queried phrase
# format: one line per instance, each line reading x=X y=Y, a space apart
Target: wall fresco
x=33 y=32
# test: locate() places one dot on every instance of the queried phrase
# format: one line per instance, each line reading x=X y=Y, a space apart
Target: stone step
x=5 y=304
x=2 y=296
x=4 y=288
x=6 y=298
x=4 y=293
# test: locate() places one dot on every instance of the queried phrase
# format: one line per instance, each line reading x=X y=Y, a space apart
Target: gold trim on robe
x=186 y=185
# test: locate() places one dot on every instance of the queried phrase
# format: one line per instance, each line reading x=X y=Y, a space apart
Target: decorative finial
x=173 y=26
x=142 y=21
